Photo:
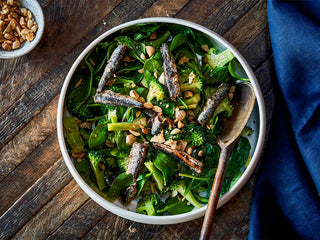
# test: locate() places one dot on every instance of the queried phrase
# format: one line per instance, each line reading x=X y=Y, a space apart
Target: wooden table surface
x=38 y=197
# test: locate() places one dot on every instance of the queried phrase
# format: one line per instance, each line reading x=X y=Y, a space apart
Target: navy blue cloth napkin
x=286 y=199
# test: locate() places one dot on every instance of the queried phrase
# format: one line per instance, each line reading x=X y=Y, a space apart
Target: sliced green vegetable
x=73 y=135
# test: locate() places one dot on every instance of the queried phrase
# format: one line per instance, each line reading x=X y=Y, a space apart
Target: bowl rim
x=41 y=24
x=171 y=219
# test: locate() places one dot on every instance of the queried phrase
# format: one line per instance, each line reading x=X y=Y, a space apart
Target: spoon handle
x=215 y=192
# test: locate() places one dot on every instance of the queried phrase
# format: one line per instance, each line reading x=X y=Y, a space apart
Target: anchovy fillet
x=212 y=103
x=137 y=156
x=109 y=97
x=112 y=65
x=128 y=195
x=183 y=157
x=156 y=124
x=170 y=72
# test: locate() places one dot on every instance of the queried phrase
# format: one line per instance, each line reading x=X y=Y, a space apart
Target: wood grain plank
x=258 y=50
x=141 y=231
x=53 y=214
x=249 y=25
x=29 y=171
x=220 y=16
x=34 y=199
x=164 y=8
x=32 y=135
x=110 y=227
x=80 y=222
x=65 y=20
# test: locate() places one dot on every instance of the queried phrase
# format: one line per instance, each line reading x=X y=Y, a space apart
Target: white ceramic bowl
x=26 y=46
x=257 y=121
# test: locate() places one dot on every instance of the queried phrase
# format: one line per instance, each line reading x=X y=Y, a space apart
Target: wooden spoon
x=244 y=100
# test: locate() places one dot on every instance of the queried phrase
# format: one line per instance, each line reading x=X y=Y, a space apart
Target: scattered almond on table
x=16 y=25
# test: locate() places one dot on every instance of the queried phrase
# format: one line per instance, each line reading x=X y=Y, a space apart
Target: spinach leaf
x=215 y=75
x=175 y=206
x=150 y=67
x=118 y=185
x=166 y=165
x=177 y=41
x=157 y=43
x=98 y=136
x=135 y=49
x=237 y=71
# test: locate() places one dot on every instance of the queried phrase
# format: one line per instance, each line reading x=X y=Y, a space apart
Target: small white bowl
x=26 y=46
x=257 y=121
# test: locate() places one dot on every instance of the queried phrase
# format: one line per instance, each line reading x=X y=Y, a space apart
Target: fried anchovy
x=112 y=65
x=156 y=123
x=212 y=103
x=170 y=72
x=183 y=157
x=137 y=156
x=109 y=97
x=128 y=195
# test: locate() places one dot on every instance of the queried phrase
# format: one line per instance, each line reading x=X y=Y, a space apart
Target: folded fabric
x=286 y=199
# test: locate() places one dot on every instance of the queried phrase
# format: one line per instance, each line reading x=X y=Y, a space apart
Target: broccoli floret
x=180 y=187
x=194 y=86
x=225 y=107
x=148 y=205
x=220 y=59
x=155 y=91
x=85 y=134
x=246 y=132
x=79 y=110
x=195 y=134
x=123 y=163
x=96 y=158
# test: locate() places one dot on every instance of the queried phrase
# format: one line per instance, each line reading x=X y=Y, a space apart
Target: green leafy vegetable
x=73 y=135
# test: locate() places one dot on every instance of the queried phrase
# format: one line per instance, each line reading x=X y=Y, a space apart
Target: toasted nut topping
x=134 y=94
x=205 y=48
x=79 y=159
x=150 y=50
x=130 y=139
x=190 y=113
x=230 y=96
x=157 y=109
x=200 y=153
x=30 y=23
x=175 y=131
x=141 y=70
x=191 y=77
x=153 y=36
x=148 y=105
x=155 y=74
x=134 y=133
x=85 y=125
x=162 y=79
x=173 y=193
x=188 y=94
x=15 y=44
x=182 y=145
x=138 y=113
x=180 y=115
x=158 y=138
x=232 y=89
x=128 y=59
x=78 y=155
x=141 y=99
x=172 y=144
x=143 y=121
x=102 y=166
x=180 y=124
x=189 y=150
x=109 y=144
x=142 y=56
x=183 y=60
x=30 y=36
x=144 y=130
